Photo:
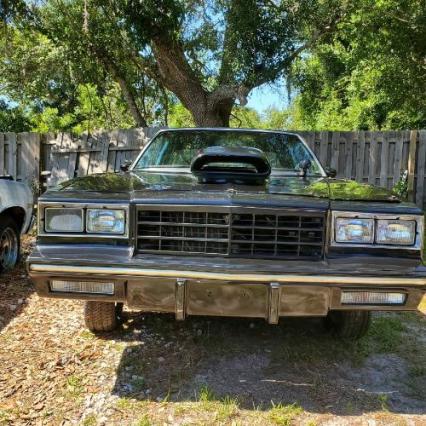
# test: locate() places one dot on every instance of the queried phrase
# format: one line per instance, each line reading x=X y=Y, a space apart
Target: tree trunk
x=212 y=115
x=131 y=103
x=208 y=109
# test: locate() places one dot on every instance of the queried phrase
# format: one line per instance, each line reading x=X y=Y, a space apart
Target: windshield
x=177 y=149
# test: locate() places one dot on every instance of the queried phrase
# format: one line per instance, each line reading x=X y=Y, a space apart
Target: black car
x=229 y=222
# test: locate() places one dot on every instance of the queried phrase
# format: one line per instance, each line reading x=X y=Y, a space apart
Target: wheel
x=102 y=316
x=348 y=324
x=9 y=243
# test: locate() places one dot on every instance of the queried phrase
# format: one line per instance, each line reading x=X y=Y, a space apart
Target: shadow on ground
x=15 y=288
x=261 y=365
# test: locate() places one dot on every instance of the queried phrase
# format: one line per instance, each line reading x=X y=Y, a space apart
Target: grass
x=383 y=401
x=90 y=420
x=75 y=386
x=225 y=408
x=385 y=334
x=144 y=421
x=283 y=415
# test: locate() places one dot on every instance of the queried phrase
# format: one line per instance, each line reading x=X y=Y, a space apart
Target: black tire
x=348 y=324
x=102 y=316
x=9 y=243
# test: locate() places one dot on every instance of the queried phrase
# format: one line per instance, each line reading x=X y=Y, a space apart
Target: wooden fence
x=378 y=158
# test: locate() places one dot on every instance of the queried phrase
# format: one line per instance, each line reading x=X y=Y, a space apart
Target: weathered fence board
x=375 y=157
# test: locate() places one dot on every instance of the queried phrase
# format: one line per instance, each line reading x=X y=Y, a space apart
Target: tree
x=209 y=54
x=369 y=74
x=13 y=118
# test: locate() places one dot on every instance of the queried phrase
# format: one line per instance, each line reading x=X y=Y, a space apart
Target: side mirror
x=125 y=166
x=304 y=166
x=330 y=172
x=44 y=177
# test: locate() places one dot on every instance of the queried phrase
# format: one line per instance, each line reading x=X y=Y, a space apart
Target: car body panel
x=17 y=194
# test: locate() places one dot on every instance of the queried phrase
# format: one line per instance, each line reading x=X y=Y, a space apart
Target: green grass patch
x=385 y=335
x=75 y=386
x=90 y=420
x=226 y=408
x=206 y=394
x=283 y=415
x=125 y=404
x=144 y=421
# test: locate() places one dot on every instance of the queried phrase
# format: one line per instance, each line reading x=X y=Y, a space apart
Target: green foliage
x=13 y=119
x=207 y=54
x=92 y=111
x=82 y=65
x=369 y=75
x=179 y=116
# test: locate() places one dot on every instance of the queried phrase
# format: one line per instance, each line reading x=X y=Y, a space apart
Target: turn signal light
x=372 y=298
x=93 y=287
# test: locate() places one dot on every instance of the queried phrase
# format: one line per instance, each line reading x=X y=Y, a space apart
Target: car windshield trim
x=256 y=138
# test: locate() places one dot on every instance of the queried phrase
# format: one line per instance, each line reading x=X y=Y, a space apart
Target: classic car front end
x=228 y=236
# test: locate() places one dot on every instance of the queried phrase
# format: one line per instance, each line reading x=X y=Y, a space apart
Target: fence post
x=2 y=154
x=412 y=164
x=421 y=160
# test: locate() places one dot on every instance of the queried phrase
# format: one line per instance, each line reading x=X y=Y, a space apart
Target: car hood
x=184 y=187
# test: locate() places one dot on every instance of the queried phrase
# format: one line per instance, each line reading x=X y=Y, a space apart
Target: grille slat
x=237 y=234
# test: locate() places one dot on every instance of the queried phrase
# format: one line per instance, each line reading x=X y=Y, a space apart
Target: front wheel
x=102 y=316
x=9 y=243
x=348 y=324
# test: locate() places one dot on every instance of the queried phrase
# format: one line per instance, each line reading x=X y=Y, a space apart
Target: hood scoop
x=240 y=165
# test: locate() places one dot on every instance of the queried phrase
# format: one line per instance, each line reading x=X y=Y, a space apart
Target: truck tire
x=348 y=324
x=102 y=316
x=9 y=243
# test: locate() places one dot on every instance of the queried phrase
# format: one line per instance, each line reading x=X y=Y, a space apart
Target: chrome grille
x=232 y=232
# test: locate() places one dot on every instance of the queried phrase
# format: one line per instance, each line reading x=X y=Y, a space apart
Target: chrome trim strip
x=222 y=276
x=180 y=299
x=274 y=303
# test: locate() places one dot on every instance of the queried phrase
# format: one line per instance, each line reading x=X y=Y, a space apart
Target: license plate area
x=227 y=299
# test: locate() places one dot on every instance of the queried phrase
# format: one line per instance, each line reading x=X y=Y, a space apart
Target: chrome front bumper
x=261 y=295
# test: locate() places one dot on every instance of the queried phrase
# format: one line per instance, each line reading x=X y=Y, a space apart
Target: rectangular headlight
x=63 y=220
x=396 y=232
x=106 y=221
x=372 y=298
x=354 y=230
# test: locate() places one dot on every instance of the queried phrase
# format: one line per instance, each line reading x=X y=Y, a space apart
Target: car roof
x=226 y=129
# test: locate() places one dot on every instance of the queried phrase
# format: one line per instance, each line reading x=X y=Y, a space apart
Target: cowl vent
x=241 y=165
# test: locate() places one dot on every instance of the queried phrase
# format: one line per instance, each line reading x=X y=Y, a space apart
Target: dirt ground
x=155 y=371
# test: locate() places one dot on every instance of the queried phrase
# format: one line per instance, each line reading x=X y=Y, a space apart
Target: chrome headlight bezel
x=416 y=245
x=84 y=233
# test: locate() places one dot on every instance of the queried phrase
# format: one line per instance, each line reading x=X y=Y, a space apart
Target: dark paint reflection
x=334 y=189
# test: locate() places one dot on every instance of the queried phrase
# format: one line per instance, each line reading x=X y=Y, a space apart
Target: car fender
x=17 y=194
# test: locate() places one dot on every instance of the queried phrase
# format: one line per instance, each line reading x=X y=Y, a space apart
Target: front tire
x=348 y=324
x=9 y=243
x=102 y=316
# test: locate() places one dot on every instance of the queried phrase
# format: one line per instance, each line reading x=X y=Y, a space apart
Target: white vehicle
x=16 y=212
